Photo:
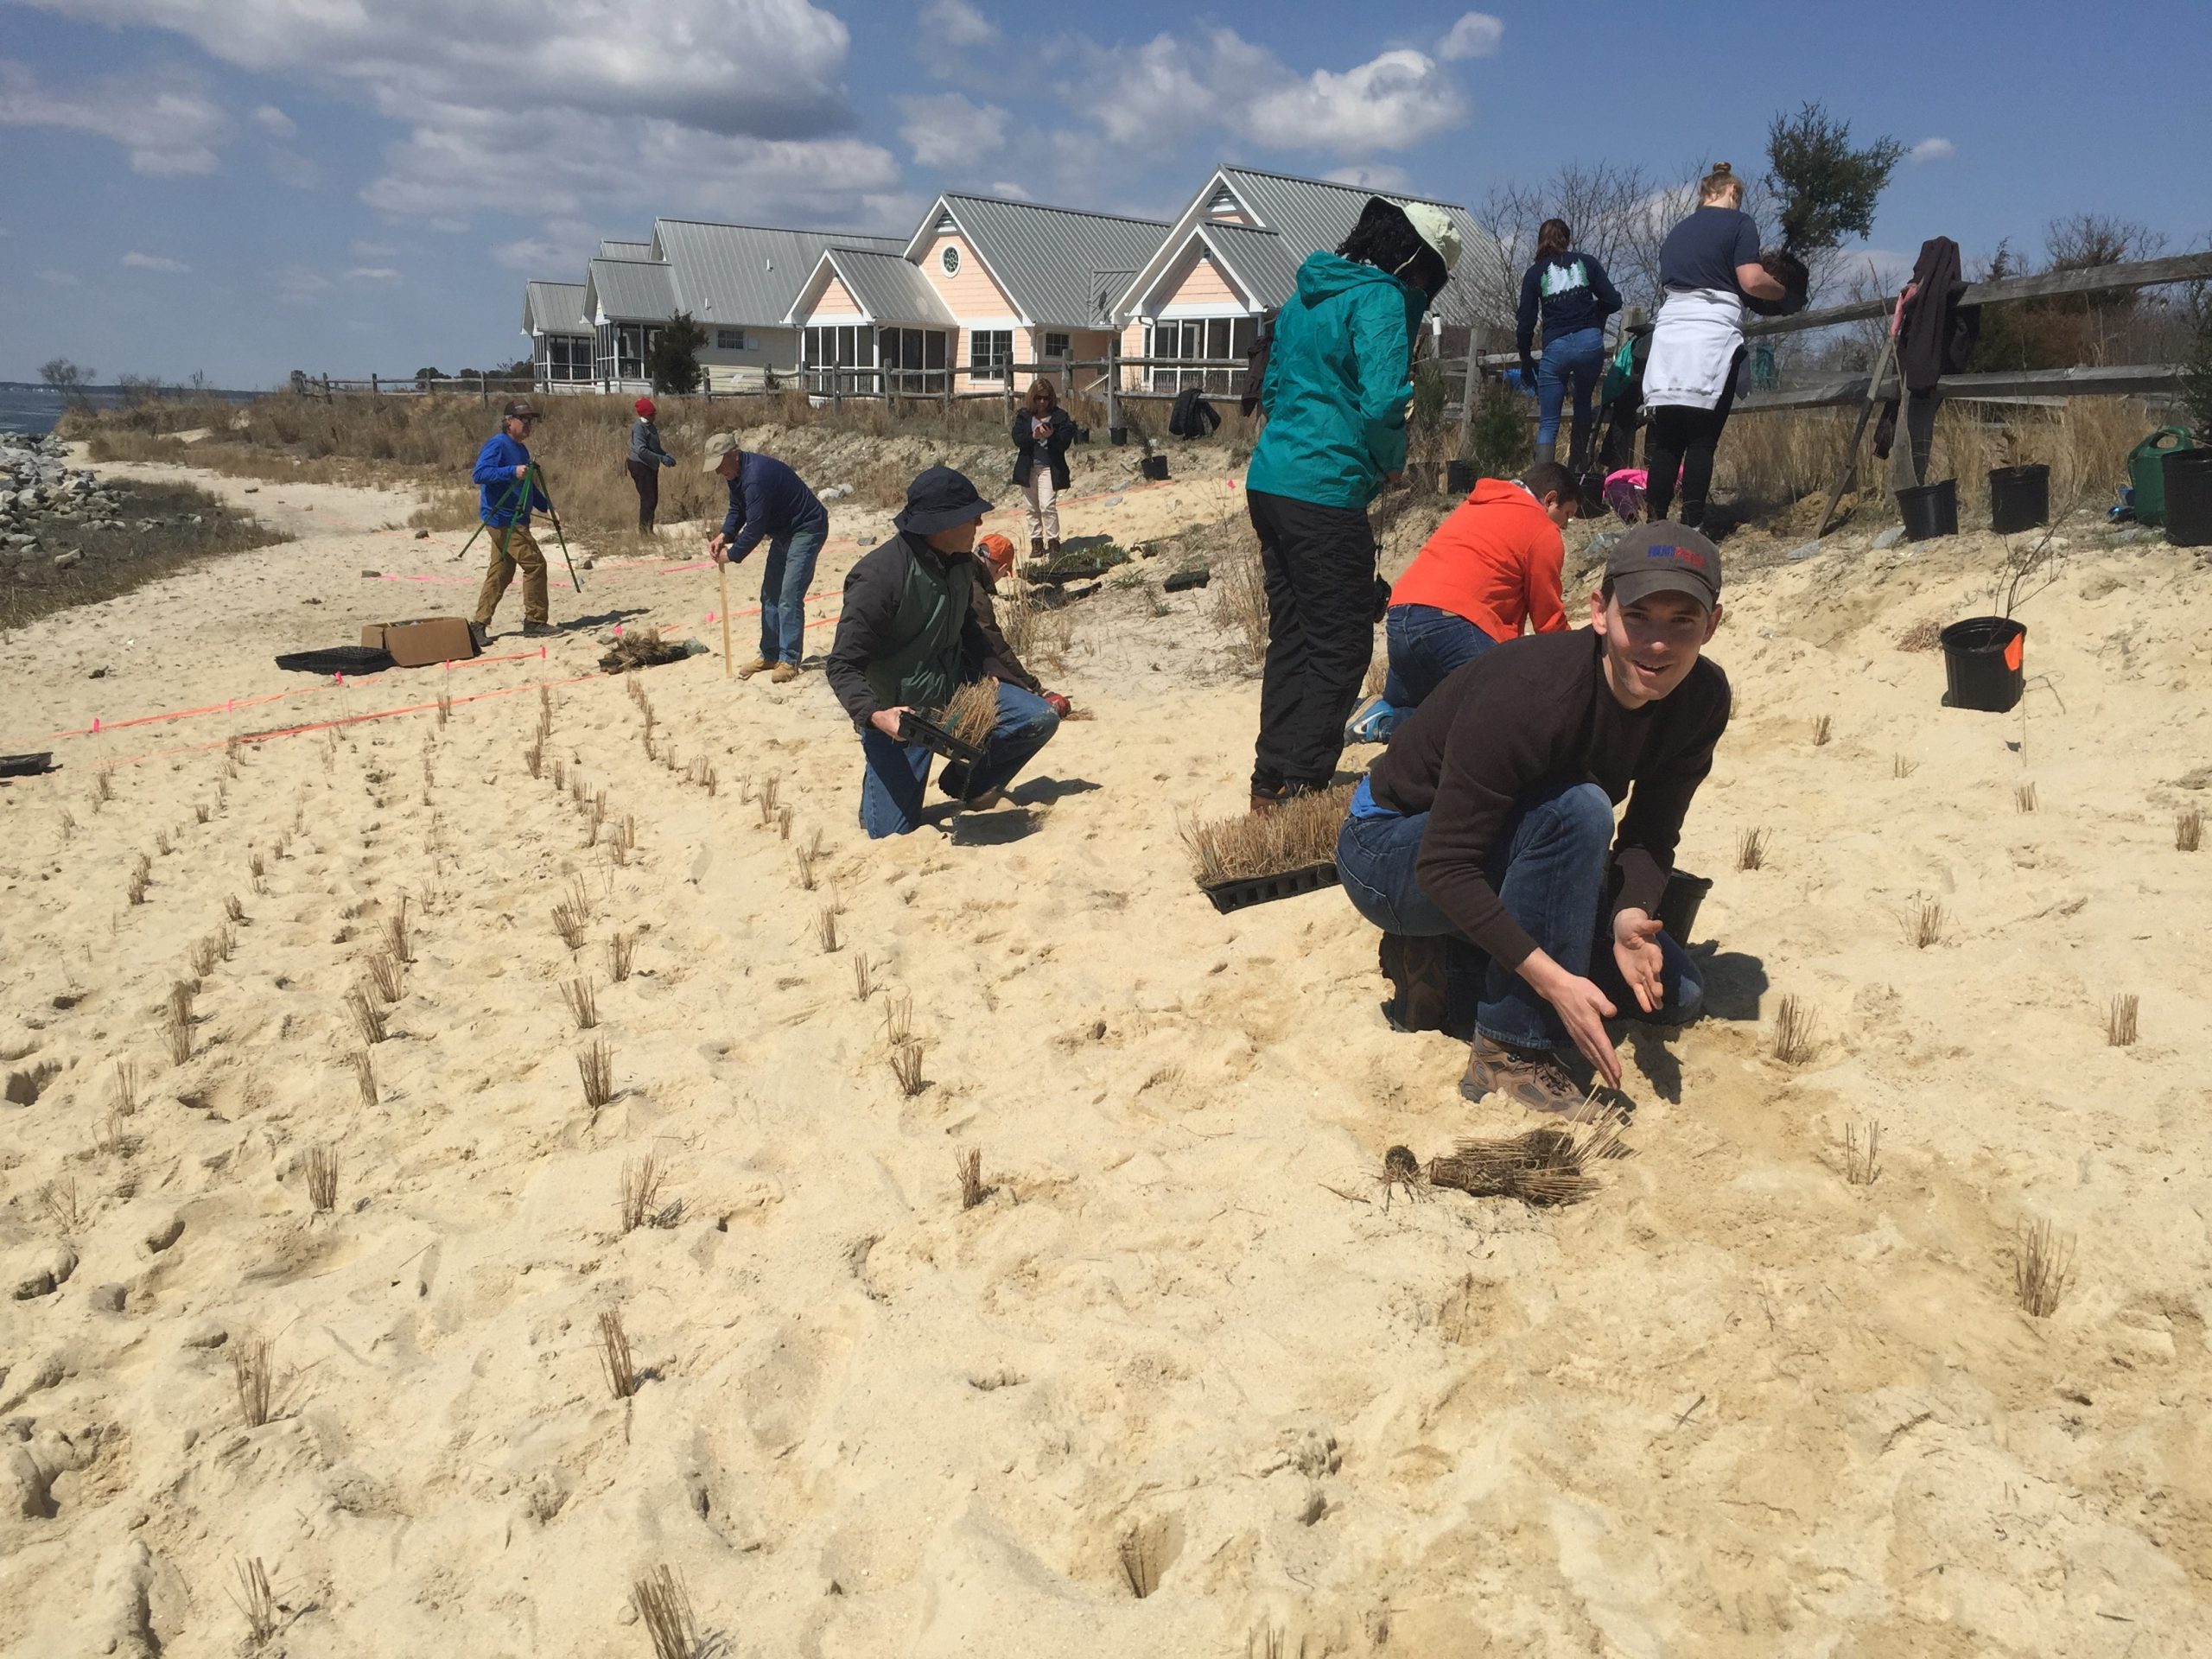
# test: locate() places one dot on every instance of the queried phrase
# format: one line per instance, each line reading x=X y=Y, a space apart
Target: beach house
x=984 y=282
x=735 y=281
x=560 y=339
x=1233 y=253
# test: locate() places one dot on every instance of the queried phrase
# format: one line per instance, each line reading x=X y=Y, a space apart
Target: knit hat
x=644 y=407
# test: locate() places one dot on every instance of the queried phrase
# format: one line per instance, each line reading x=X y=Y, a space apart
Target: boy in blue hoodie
x=1339 y=383
x=507 y=496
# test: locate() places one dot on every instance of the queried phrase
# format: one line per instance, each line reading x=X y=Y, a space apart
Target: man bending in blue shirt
x=768 y=501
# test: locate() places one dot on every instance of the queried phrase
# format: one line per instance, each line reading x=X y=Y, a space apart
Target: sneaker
x=785 y=672
x=538 y=630
x=1416 y=969
x=1373 y=723
x=759 y=664
x=1534 y=1077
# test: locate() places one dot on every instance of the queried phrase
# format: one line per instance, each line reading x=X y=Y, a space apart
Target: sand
x=1732 y=1404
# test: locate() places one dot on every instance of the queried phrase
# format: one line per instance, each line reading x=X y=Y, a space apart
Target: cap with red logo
x=1662 y=558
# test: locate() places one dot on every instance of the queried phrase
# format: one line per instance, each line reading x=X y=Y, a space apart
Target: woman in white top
x=1707 y=266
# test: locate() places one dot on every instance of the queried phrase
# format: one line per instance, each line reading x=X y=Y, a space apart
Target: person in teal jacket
x=1339 y=380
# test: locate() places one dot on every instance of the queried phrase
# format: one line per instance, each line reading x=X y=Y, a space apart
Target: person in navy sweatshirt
x=507 y=496
x=769 y=501
x=1573 y=294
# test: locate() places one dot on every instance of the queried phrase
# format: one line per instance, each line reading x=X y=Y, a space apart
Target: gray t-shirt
x=1705 y=248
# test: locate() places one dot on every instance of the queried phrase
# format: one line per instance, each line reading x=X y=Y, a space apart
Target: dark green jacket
x=908 y=634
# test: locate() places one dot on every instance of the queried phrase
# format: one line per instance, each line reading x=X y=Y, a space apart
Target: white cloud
x=372 y=274
x=559 y=250
x=60 y=278
x=947 y=130
x=295 y=286
x=956 y=24
x=153 y=262
x=373 y=251
x=1392 y=102
x=272 y=119
x=1476 y=35
x=168 y=127
x=1931 y=149
x=1007 y=188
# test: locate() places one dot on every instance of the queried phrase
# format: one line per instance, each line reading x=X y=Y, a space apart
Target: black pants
x=647 y=479
x=1319 y=566
x=1685 y=438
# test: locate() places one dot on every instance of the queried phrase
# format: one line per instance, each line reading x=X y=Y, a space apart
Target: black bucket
x=1679 y=903
x=1155 y=467
x=1117 y=435
x=1460 y=477
x=1930 y=510
x=2188 y=474
x=2019 y=498
x=1982 y=658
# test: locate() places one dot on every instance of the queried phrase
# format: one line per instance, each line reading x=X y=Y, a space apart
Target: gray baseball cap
x=1664 y=558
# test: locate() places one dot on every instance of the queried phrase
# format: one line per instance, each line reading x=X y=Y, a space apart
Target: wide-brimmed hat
x=937 y=499
x=520 y=408
x=719 y=445
x=1663 y=558
x=1433 y=225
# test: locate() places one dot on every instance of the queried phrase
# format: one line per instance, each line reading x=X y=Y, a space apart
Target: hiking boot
x=1416 y=969
x=953 y=780
x=1036 y=547
x=758 y=666
x=1052 y=547
x=785 y=674
x=1533 y=1076
x=538 y=630
x=1268 y=800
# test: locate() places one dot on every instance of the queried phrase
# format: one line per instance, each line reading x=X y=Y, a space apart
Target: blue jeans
x=1578 y=359
x=1548 y=866
x=784 y=583
x=1426 y=644
x=898 y=773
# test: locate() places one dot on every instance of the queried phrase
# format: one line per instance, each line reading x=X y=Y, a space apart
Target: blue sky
x=245 y=187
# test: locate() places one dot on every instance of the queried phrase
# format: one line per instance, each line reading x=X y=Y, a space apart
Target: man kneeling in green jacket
x=907 y=637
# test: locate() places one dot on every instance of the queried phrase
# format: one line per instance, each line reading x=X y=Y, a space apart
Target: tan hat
x=1433 y=225
x=719 y=445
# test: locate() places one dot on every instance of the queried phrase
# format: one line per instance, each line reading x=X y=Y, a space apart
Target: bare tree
x=68 y=378
x=1601 y=202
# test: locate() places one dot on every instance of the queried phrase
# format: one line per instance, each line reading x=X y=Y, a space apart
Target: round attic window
x=950 y=259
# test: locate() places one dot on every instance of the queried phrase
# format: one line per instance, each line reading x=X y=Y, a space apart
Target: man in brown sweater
x=1489 y=819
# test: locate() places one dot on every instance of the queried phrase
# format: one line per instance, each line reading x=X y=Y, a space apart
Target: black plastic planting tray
x=1263 y=889
x=27 y=766
x=919 y=728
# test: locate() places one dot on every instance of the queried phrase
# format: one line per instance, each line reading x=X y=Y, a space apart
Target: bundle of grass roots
x=971 y=712
x=1543 y=1166
x=1296 y=836
x=640 y=648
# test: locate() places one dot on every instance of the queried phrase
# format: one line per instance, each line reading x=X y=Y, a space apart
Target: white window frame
x=1057 y=345
x=986 y=365
x=948 y=259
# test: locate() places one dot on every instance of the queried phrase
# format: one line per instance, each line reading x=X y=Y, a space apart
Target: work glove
x=1059 y=705
x=1528 y=373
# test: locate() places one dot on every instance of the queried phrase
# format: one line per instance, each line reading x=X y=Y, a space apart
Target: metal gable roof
x=554 y=309
x=889 y=288
x=611 y=249
x=1317 y=213
x=630 y=290
x=746 y=275
x=1049 y=259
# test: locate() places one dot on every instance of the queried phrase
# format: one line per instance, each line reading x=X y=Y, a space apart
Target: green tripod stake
x=518 y=495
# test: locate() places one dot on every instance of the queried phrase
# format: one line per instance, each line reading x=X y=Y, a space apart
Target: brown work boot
x=785 y=672
x=759 y=664
x=1052 y=547
x=1416 y=969
x=1036 y=547
x=1533 y=1076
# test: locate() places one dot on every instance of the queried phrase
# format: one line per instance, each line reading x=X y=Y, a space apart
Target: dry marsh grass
x=1925 y=923
x=2120 y=1020
x=621 y=949
x=253 y=1377
x=582 y=998
x=968 y=1163
x=62 y=1205
x=1751 y=849
x=2024 y=798
x=664 y=1607
x=385 y=976
x=1862 y=1153
x=973 y=710
x=641 y=1179
x=1796 y=1033
x=906 y=1067
x=1139 y=1554
x=2189 y=830
x=615 y=1362
x=365 y=1074
x=257 y=1602
x=1300 y=833
x=1823 y=728
x=825 y=930
x=368 y=1015
x=1544 y=1166
x=2042 y=1267
x=176 y=1023
x=595 y=1071
x=322 y=1178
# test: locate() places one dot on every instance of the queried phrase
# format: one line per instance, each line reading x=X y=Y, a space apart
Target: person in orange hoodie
x=1491 y=568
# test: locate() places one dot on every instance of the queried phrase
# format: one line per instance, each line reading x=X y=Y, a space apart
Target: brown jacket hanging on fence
x=1937 y=337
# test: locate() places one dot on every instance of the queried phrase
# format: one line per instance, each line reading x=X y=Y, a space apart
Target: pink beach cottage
x=1233 y=253
x=984 y=284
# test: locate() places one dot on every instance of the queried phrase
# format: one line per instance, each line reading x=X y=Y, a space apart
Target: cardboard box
x=425 y=640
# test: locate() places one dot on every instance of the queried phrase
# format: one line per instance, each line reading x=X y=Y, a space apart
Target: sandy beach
x=1732 y=1404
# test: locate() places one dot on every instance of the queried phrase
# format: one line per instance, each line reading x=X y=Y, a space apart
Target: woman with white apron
x=1707 y=266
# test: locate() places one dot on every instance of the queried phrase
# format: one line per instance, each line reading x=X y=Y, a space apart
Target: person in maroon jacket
x=1489 y=819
